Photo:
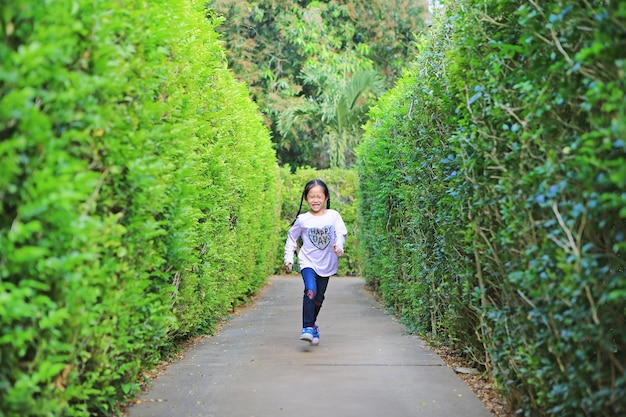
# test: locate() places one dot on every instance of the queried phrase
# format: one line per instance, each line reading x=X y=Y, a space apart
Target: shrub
x=135 y=172
x=495 y=171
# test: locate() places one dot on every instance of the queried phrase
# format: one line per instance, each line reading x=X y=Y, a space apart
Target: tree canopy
x=302 y=60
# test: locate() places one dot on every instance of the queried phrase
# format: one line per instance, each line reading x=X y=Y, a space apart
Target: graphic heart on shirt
x=321 y=237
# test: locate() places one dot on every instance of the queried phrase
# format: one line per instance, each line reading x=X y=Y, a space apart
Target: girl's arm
x=291 y=243
x=340 y=235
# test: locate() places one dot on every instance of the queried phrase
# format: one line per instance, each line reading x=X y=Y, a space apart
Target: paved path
x=256 y=366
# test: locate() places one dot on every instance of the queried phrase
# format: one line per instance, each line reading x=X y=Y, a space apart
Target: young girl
x=323 y=234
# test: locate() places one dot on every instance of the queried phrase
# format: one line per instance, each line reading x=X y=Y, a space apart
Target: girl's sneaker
x=307 y=334
x=316 y=336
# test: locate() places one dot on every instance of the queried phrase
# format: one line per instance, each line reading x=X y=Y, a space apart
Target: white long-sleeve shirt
x=319 y=235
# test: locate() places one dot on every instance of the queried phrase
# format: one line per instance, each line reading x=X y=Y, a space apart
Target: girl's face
x=316 y=199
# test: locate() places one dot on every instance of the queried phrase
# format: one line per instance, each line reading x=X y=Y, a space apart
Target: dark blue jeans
x=314 y=289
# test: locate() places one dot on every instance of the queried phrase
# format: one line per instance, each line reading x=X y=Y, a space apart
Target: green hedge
x=492 y=192
x=342 y=185
x=138 y=190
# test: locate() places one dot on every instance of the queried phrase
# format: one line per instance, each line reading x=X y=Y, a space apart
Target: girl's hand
x=338 y=251
x=289 y=266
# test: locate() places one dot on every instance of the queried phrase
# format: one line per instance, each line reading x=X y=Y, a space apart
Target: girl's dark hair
x=307 y=188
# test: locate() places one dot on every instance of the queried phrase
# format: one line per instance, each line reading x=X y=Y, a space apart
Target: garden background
x=477 y=156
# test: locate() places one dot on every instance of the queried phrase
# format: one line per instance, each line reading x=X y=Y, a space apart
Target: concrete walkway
x=256 y=366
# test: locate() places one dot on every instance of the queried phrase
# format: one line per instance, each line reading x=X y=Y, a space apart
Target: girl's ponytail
x=299 y=209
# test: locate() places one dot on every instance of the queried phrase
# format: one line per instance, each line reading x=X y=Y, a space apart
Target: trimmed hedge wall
x=139 y=196
x=342 y=184
x=493 y=198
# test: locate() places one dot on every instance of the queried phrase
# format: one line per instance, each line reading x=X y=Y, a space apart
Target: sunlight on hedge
x=138 y=190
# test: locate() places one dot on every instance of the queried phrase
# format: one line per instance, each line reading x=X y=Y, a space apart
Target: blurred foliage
x=492 y=193
x=275 y=45
x=339 y=110
x=134 y=179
